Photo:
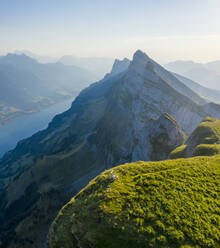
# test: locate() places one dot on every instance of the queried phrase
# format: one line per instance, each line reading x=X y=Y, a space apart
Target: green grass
x=179 y=152
x=205 y=140
x=173 y=203
x=208 y=132
x=207 y=150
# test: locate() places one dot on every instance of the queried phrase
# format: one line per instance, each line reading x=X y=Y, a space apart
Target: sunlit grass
x=204 y=141
x=172 y=203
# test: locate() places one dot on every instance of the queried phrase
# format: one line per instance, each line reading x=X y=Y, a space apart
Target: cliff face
x=154 y=203
x=165 y=134
x=119 y=119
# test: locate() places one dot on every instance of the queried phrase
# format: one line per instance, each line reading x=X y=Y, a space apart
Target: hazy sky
x=165 y=29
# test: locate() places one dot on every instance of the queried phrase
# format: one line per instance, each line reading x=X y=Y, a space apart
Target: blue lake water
x=25 y=126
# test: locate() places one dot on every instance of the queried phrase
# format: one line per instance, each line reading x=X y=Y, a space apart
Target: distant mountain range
x=210 y=95
x=98 y=66
x=207 y=74
x=139 y=111
x=27 y=86
x=40 y=58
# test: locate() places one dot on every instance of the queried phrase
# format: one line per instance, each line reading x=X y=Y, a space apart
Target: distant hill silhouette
x=27 y=86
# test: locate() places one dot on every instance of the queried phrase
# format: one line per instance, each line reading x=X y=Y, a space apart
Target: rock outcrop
x=113 y=121
x=165 y=134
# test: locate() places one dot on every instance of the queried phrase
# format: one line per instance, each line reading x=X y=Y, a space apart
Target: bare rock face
x=213 y=109
x=114 y=121
x=165 y=136
x=139 y=97
x=120 y=66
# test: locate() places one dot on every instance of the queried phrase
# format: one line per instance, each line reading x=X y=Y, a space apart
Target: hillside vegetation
x=172 y=203
x=117 y=120
x=204 y=141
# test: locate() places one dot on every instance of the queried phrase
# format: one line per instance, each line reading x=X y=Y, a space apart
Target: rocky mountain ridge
x=117 y=120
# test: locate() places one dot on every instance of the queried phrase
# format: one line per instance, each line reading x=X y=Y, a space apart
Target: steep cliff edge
x=172 y=203
x=117 y=120
x=165 y=134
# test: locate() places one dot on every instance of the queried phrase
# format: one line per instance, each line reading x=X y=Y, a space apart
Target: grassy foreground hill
x=117 y=120
x=173 y=203
x=204 y=141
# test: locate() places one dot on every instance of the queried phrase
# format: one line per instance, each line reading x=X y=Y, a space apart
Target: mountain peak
x=17 y=58
x=139 y=64
x=140 y=61
x=115 y=120
x=120 y=66
x=139 y=55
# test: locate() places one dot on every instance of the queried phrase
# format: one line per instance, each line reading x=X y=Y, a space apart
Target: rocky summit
x=139 y=112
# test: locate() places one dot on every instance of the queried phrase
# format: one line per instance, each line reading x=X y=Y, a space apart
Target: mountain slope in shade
x=119 y=119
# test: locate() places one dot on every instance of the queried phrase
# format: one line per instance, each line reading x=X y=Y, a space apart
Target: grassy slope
x=172 y=203
x=204 y=141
